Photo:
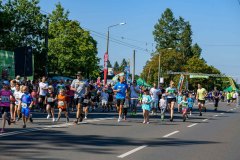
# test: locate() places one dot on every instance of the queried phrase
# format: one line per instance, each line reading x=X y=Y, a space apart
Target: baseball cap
x=79 y=73
x=6 y=83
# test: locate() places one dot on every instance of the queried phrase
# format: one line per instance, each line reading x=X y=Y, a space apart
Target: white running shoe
x=53 y=119
x=48 y=116
x=85 y=117
x=119 y=119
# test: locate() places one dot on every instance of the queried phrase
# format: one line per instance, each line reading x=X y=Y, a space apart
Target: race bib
x=61 y=103
x=24 y=105
x=5 y=99
x=49 y=99
x=85 y=101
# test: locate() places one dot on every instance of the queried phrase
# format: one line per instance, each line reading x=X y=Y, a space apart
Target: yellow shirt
x=201 y=93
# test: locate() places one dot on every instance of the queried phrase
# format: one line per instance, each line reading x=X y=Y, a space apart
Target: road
x=215 y=135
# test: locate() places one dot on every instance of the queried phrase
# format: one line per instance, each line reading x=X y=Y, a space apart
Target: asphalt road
x=215 y=135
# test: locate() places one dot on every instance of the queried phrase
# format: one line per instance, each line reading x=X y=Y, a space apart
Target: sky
x=215 y=26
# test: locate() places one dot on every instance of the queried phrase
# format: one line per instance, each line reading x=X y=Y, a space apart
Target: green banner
x=199 y=76
x=7 y=65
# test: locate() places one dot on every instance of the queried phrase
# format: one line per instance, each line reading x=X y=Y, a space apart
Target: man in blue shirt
x=121 y=88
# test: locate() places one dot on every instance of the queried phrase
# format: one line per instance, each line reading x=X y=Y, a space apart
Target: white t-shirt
x=42 y=91
x=104 y=96
x=163 y=103
x=154 y=93
x=133 y=90
x=235 y=95
x=17 y=95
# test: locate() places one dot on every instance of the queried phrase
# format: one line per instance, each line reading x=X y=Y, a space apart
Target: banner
x=198 y=76
x=7 y=65
x=180 y=83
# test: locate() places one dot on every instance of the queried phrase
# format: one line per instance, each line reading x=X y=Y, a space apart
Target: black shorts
x=201 y=101
x=78 y=101
x=42 y=97
x=52 y=104
x=5 y=109
x=120 y=102
x=85 y=104
x=170 y=100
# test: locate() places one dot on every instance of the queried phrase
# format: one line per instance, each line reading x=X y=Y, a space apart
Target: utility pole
x=133 y=72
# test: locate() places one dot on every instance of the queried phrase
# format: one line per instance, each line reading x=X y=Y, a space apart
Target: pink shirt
x=5 y=98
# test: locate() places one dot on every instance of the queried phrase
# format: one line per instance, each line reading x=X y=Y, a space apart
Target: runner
x=110 y=97
x=42 y=91
x=146 y=106
x=216 y=97
x=190 y=103
x=12 y=105
x=17 y=94
x=86 y=102
x=201 y=95
x=62 y=104
x=184 y=104
x=179 y=100
x=154 y=92
x=79 y=87
x=134 y=95
x=163 y=106
x=229 y=97
x=104 y=98
x=50 y=102
x=171 y=98
x=25 y=103
x=126 y=106
x=121 y=88
x=5 y=96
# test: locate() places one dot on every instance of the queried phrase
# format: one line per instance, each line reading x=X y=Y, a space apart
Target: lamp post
x=159 y=68
x=106 y=54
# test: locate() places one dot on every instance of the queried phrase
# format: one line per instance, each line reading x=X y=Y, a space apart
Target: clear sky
x=215 y=25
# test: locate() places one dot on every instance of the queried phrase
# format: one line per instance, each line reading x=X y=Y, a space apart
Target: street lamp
x=159 y=64
x=106 y=54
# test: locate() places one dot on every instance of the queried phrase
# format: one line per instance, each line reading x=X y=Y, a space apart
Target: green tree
x=123 y=65
x=71 y=48
x=196 y=50
x=25 y=26
x=116 y=67
x=109 y=65
x=166 y=31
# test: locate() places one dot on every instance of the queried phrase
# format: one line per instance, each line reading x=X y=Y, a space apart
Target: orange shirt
x=62 y=101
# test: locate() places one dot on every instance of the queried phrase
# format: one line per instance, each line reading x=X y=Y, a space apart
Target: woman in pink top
x=5 y=98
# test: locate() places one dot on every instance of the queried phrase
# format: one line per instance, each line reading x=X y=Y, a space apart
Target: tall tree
x=123 y=65
x=109 y=65
x=25 y=27
x=185 y=38
x=196 y=50
x=71 y=48
x=166 y=30
x=116 y=67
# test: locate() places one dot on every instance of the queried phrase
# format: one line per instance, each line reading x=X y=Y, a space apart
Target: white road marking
x=231 y=109
x=204 y=120
x=132 y=151
x=194 y=124
x=221 y=113
x=215 y=115
x=168 y=135
x=27 y=130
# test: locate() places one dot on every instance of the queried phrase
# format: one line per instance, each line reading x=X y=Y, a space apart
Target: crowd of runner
x=19 y=98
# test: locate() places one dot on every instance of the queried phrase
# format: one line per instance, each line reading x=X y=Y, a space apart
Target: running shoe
x=67 y=120
x=200 y=114
x=9 y=121
x=119 y=120
x=31 y=120
x=171 y=119
x=144 y=122
x=148 y=122
x=2 y=130
x=53 y=119
x=85 y=117
x=24 y=126
x=184 y=118
x=48 y=116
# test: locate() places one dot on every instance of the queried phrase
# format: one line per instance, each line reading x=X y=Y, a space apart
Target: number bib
x=85 y=101
x=24 y=105
x=61 y=103
x=49 y=99
x=5 y=99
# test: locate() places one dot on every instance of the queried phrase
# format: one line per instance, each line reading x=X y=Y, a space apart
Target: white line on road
x=221 y=113
x=194 y=124
x=231 y=109
x=132 y=151
x=168 y=135
x=215 y=115
x=27 y=130
x=204 y=120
